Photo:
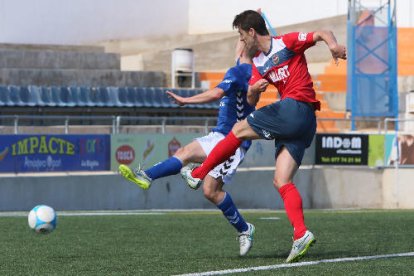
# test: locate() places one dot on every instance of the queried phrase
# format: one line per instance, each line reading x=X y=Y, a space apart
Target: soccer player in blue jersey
x=233 y=107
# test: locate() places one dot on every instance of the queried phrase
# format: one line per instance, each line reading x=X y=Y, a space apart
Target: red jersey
x=285 y=67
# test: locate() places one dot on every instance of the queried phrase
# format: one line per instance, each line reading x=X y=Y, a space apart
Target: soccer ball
x=42 y=219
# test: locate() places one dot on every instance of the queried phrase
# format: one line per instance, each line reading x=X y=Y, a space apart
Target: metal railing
x=115 y=124
x=345 y=125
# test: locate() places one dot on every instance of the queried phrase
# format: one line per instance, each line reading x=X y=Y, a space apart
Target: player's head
x=250 y=24
x=250 y=20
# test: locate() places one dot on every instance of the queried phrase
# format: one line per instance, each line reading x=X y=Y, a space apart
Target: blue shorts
x=290 y=122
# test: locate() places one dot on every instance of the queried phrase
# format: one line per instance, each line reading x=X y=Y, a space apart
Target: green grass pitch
x=189 y=242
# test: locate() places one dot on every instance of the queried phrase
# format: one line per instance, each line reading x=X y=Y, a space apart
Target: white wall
x=86 y=21
x=217 y=15
x=89 y=21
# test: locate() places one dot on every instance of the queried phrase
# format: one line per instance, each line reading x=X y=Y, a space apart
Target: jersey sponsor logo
x=279 y=54
x=302 y=36
x=227 y=81
x=275 y=59
x=281 y=74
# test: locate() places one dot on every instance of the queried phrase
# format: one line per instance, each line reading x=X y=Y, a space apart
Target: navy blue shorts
x=291 y=123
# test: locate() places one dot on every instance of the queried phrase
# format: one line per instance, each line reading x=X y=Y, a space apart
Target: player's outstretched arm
x=337 y=50
x=205 y=97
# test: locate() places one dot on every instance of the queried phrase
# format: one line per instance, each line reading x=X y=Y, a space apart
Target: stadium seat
x=132 y=97
x=84 y=98
x=171 y=101
x=143 y=96
x=15 y=95
x=104 y=98
x=95 y=97
x=26 y=96
x=160 y=98
x=5 y=96
x=36 y=92
x=75 y=92
x=66 y=96
x=46 y=96
x=188 y=93
x=56 y=93
x=123 y=97
x=113 y=92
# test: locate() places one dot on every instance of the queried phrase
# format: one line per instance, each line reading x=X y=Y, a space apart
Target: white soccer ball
x=42 y=219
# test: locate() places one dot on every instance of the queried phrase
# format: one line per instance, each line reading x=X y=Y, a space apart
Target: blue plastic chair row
x=80 y=96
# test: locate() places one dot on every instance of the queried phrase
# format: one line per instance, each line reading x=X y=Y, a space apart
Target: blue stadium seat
x=160 y=98
x=26 y=96
x=136 y=96
x=84 y=97
x=172 y=103
x=114 y=96
x=56 y=93
x=188 y=93
x=123 y=97
x=97 y=97
x=66 y=96
x=75 y=93
x=36 y=93
x=94 y=96
x=46 y=96
x=143 y=97
x=153 y=96
x=15 y=95
x=5 y=96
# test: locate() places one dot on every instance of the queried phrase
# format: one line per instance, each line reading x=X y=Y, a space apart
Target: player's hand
x=338 y=52
x=175 y=98
x=260 y=86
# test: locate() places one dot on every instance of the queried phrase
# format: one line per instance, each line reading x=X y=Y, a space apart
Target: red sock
x=294 y=210
x=220 y=153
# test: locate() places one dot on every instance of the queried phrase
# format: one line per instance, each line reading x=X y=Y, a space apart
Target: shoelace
x=242 y=238
x=139 y=171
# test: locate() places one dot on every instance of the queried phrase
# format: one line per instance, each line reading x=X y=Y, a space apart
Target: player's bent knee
x=183 y=154
x=210 y=193
x=279 y=183
x=241 y=129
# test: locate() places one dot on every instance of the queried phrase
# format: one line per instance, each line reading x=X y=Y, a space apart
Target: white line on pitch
x=270 y=267
x=85 y=213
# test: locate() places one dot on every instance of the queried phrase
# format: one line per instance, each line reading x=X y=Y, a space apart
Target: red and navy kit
x=285 y=67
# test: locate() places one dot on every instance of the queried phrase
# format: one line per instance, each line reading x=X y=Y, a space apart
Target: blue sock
x=230 y=211
x=170 y=166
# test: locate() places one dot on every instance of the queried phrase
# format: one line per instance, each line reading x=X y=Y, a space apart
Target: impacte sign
x=46 y=153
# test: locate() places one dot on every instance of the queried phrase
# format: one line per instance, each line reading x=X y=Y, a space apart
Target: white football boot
x=300 y=247
x=246 y=239
x=192 y=182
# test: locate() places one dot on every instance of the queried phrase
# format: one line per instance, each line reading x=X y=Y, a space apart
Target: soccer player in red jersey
x=291 y=122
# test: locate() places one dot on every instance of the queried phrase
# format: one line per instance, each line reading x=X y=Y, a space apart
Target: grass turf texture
x=186 y=242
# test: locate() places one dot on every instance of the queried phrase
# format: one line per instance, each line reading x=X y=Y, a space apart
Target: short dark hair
x=250 y=19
